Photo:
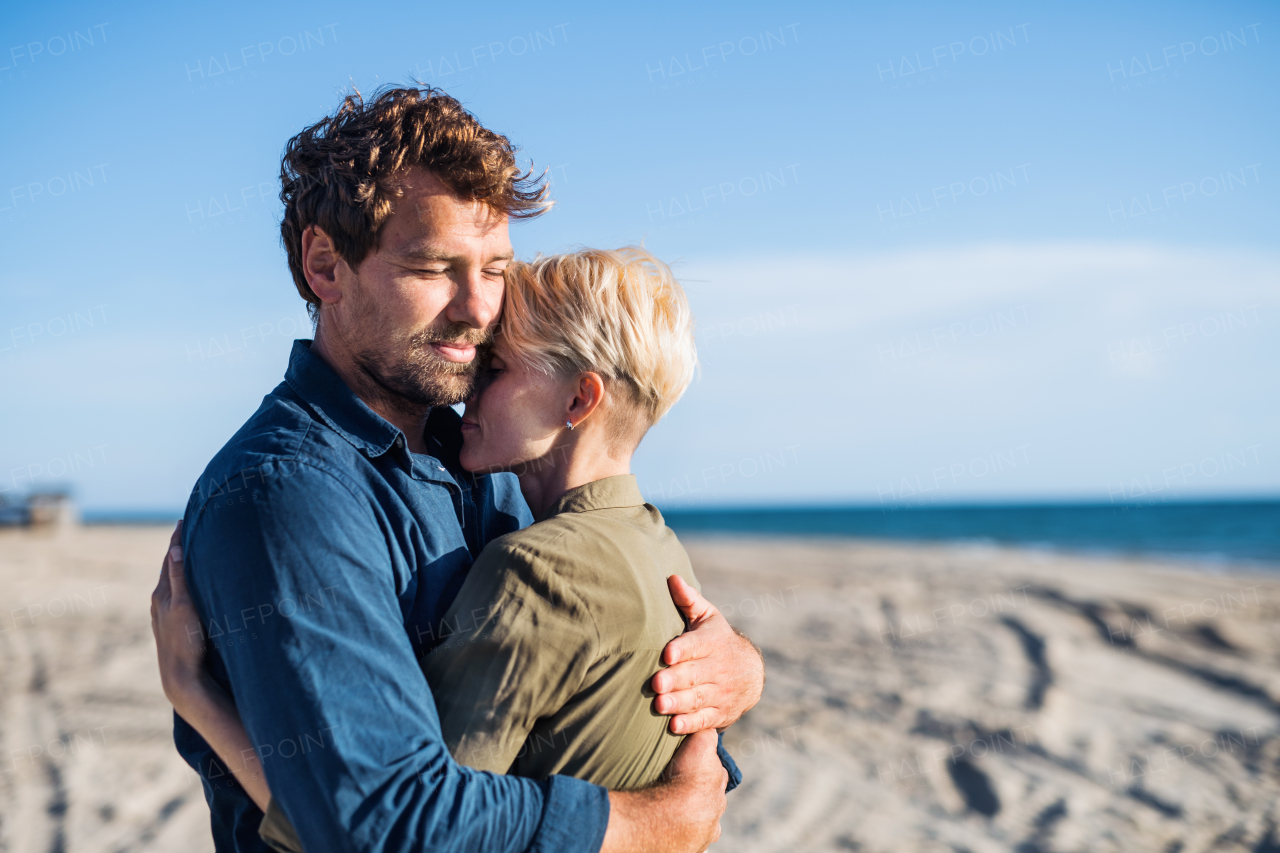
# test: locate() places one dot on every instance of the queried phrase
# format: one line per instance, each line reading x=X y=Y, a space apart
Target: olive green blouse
x=551 y=644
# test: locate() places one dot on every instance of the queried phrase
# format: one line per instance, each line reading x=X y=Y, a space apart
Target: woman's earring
x=569 y=424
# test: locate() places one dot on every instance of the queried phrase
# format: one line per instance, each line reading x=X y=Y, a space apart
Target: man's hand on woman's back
x=714 y=674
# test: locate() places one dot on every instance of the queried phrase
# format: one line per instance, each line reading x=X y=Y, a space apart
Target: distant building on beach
x=39 y=509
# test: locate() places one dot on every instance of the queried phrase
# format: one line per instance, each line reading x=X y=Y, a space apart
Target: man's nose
x=476 y=301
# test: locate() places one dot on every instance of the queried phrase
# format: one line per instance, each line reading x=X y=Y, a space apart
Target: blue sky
x=936 y=254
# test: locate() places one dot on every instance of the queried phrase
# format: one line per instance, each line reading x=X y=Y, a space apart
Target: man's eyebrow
x=425 y=255
x=434 y=255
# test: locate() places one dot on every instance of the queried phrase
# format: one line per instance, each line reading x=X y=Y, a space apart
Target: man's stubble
x=402 y=365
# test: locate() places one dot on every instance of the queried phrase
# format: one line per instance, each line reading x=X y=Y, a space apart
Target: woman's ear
x=588 y=394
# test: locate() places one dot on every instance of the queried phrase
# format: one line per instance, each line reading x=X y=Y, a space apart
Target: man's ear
x=320 y=262
x=587 y=396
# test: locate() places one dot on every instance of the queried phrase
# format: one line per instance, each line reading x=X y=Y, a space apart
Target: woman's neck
x=572 y=462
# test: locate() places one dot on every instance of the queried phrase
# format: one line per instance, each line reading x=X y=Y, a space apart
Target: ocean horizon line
x=143 y=515
x=1239 y=531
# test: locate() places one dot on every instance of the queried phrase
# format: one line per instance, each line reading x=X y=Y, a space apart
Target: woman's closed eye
x=485 y=377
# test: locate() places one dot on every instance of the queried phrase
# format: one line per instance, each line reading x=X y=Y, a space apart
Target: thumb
x=704 y=743
x=692 y=606
x=696 y=752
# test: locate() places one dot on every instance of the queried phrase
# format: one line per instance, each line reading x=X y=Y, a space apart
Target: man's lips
x=459 y=353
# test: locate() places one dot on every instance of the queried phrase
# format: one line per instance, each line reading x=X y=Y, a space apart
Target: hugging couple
x=373 y=635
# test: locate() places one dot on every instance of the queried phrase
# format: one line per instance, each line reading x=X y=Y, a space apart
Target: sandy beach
x=920 y=698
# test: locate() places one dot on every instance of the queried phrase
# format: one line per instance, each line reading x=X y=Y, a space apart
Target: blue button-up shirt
x=322 y=554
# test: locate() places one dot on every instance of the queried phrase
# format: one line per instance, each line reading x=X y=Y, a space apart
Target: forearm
x=646 y=822
x=631 y=827
x=211 y=712
x=680 y=814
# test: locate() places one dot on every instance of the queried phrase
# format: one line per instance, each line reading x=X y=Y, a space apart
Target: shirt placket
x=432 y=470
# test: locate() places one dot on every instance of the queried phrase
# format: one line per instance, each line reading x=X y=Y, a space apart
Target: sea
x=1218 y=533
x=1225 y=534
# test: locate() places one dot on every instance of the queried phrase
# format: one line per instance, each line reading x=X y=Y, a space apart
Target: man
x=326 y=540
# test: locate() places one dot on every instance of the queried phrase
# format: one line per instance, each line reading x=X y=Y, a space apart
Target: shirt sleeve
x=521 y=642
x=298 y=593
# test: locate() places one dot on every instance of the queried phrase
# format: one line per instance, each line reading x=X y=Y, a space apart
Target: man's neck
x=410 y=419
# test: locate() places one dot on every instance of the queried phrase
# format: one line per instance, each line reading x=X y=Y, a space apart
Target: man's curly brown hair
x=341 y=174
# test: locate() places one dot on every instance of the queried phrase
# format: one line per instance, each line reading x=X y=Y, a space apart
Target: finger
x=686 y=701
x=165 y=585
x=175 y=538
x=689 y=601
x=708 y=719
x=685 y=754
x=177 y=576
x=689 y=646
x=158 y=598
x=682 y=676
x=702 y=746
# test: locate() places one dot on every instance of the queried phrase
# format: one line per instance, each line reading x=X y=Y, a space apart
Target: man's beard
x=410 y=370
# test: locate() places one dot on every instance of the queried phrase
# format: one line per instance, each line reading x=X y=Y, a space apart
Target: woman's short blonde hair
x=619 y=313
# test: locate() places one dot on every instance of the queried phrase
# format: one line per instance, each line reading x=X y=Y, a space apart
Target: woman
x=558 y=627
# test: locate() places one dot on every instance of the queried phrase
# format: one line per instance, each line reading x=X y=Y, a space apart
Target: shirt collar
x=606 y=493
x=337 y=405
x=444 y=440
